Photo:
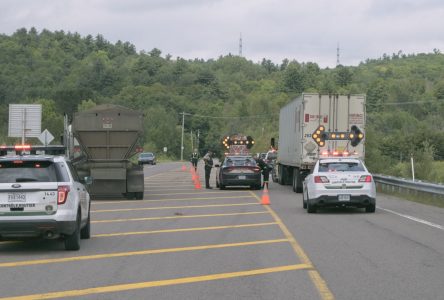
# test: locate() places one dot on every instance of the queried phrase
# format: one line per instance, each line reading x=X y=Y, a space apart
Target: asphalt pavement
x=186 y=242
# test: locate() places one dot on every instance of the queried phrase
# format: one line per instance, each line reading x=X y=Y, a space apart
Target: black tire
x=371 y=208
x=273 y=176
x=129 y=196
x=221 y=186
x=280 y=179
x=139 y=195
x=304 y=201
x=72 y=241
x=295 y=180
x=311 y=208
x=85 y=232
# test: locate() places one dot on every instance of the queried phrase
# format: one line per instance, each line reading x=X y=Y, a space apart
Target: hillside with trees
x=66 y=72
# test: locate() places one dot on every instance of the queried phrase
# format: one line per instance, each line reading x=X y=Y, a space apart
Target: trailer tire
x=295 y=180
x=139 y=195
x=280 y=177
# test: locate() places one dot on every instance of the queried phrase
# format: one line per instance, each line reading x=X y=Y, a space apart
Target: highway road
x=181 y=242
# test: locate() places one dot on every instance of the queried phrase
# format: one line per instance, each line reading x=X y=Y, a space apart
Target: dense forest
x=66 y=72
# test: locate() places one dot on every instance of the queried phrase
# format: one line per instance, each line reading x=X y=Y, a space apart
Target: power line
x=234 y=117
x=402 y=103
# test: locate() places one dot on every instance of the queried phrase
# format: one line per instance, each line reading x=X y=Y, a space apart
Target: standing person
x=208 y=160
x=265 y=171
x=194 y=159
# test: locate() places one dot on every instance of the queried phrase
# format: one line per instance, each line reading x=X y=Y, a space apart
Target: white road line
x=413 y=218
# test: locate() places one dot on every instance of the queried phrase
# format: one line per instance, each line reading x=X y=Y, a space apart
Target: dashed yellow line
x=136 y=253
x=183 y=230
x=171 y=199
x=149 y=284
x=178 y=217
x=173 y=207
x=316 y=278
x=199 y=193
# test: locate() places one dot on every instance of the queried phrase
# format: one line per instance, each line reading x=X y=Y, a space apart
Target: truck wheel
x=139 y=195
x=72 y=241
x=295 y=180
x=129 y=196
x=280 y=179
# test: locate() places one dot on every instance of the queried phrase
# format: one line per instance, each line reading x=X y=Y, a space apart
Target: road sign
x=46 y=137
x=25 y=120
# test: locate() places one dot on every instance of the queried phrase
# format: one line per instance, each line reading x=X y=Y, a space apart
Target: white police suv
x=42 y=196
x=339 y=181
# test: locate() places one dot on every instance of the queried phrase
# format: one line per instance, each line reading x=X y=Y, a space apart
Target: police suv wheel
x=72 y=241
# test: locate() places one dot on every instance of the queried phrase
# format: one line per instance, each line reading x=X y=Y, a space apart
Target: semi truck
x=315 y=125
x=108 y=137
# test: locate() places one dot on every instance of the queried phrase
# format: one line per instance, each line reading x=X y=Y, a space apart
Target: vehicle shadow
x=340 y=210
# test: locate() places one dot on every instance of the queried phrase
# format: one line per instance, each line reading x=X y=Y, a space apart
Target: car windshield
x=146 y=155
x=239 y=161
x=341 y=167
x=27 y=171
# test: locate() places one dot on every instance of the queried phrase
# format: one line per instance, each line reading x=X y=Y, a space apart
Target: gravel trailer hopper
x=108 y=136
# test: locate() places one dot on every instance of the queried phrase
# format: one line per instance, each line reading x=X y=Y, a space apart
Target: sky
x=301 y=30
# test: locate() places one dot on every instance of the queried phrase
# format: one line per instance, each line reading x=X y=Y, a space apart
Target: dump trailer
x=314 y=125
x=108 y=136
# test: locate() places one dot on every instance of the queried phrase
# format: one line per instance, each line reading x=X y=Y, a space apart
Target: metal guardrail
x=394 y=184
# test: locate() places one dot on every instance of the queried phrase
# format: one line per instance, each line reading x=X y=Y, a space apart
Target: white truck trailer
x=313 y=125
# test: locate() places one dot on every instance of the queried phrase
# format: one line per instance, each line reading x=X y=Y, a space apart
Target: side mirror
x=88 y=180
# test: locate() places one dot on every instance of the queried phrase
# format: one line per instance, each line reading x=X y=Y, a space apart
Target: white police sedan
x=339 y=182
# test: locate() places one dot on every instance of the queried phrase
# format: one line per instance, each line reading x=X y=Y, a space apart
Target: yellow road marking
x=173 y=207
x=179 y=217
x=199 y=193
x=169 y=186
x=135 y=253
x=316 y=278
x=172 y=199
x=149 y=284
x=10 y=242
x=183 y=229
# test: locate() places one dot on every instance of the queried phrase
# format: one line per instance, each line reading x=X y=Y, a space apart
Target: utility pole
x=183 y=128
x=191 y=135
x=197 y=146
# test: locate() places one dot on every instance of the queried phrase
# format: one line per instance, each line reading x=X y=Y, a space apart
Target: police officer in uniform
x=194 y=159
x=265 y=171
x=208 y=160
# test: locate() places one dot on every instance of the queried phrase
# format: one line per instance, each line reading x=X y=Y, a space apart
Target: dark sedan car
x=147 y=158
x=238 y=171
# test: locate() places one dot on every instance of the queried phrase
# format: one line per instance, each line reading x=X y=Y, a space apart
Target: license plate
x=16 y=197
x=242 y=177
x=344 y=197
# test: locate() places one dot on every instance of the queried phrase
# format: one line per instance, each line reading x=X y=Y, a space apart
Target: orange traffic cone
x=197 y=185
x=265 y=196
